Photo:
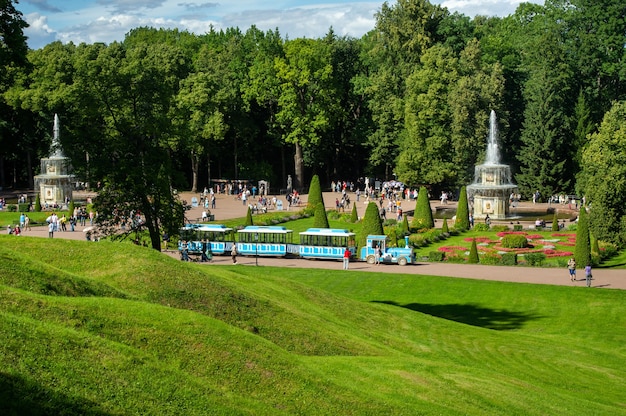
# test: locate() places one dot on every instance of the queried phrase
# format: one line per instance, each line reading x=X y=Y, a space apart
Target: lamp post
x=256 y=248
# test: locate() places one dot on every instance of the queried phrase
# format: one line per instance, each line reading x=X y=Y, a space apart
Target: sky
x=106 y=21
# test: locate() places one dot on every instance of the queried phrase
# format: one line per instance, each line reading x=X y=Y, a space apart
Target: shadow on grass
x=19 y=396
x=499 y=320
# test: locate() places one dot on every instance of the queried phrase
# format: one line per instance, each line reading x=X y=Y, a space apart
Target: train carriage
x=326 y=243
x=257 y=240
x=218 y=236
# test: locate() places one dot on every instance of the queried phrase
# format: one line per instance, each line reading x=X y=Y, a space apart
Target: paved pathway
x=228 y=207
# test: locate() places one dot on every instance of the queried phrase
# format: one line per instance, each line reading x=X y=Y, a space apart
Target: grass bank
x=104 y=328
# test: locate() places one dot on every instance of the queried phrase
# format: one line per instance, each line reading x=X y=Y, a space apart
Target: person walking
x=571 y=266
x=377 y=254
x=233 y=253
x=346 y=258
x=588 y=276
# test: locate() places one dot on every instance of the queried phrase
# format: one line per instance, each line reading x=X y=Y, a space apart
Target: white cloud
x=38 y=31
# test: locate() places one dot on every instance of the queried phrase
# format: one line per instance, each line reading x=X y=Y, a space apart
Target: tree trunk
x=299 y=168
x=194 y=170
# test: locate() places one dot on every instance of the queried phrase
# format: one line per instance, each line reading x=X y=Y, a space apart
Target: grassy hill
x=105 y=328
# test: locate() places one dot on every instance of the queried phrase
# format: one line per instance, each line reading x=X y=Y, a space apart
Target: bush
x=436 y=256
x=418 y=240
x=535 y=259
x=514 y=241
x=473 y=254
x=500 y=228
x=518 y=227
x=508 y=259
x=12 y=207
x=481 y=227
x=444 y=228
x=490 y=259
x=423 y=216
x=462 y=212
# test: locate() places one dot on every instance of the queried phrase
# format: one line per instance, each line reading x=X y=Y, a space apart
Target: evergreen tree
x=423 y=217
x=473 y=254
x=354 y=216
x=249 y=218
x=70 y=208
x=555 y=222
x=582 y=250
x=320 y=220
x=462 y=212
x=445 y=228
x=372 y=224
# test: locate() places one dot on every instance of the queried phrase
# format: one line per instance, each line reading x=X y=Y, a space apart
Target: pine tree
x=582 y=250
x=423 y=217
x=473 y=254
x=372 y=224
x=354 y=216
x=249 y=218
x=462 y=212
x=320 y=220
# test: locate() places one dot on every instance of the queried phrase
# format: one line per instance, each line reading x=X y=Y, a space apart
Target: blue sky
x=109 y=20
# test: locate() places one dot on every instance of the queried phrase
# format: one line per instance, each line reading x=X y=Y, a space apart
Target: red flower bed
x=503 y=233
x=481 y=240
x=452 y=249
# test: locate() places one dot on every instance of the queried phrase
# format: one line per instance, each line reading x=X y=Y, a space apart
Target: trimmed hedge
x=508 y=259
x=535 y=259
x=436 y=256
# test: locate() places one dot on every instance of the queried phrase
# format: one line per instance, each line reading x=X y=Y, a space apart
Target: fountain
x=492 y=187
x=54 y=183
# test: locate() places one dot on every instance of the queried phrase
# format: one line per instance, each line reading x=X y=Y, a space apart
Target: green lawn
x=105 y=328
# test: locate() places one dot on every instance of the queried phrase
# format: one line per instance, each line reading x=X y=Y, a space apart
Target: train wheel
x=370 y=259
x=402 y=261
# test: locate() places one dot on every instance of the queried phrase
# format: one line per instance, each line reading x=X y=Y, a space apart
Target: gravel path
x=228 y=207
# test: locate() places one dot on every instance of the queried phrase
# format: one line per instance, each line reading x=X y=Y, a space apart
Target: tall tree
x=307 y=98
x=603 y=177
x=133 y=87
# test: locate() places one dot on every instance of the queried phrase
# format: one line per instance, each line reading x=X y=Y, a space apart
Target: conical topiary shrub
x=249 y=218
x=555 y=222
x=423 y=217
x=582 y=250
x=354 y=216
x=462 y=222
x=37 y=203
x=70 y=208
x=405 y=225
x=372 y=224
x=445 y=228
x=320 y=220
x=473 y=254
x=315 y=193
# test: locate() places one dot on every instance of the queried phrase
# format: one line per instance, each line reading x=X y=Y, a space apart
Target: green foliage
x=462 y=211
x=436 y=256
x=535 y=259
x=514 y=241
x=423 y=217
x=605 y=157
x=582 y=250
x=444 y=227
x=555 y=223
x=37 y=203
x=372 y=224
x=518 y=227
x=405 y=225
x=473 y=254
x=249 y=217
x=508 y=259
x=320 y=220
x=70 y=208
x=481 y=227
x=354 y=216
x=315 y=196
